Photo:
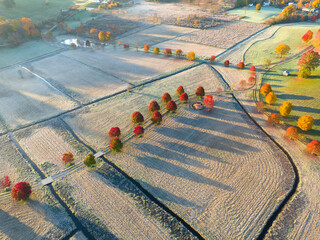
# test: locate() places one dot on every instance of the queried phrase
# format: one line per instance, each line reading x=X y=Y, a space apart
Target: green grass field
x=37 y=10
x=290 y=35
x=302 y=93
x=252 y=15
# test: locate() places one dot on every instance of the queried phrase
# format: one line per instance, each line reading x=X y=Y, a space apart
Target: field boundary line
x=75 y=220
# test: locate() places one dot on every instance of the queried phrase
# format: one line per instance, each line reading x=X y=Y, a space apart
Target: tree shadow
x=294 y=97
x=169 y=168
x=306 y=109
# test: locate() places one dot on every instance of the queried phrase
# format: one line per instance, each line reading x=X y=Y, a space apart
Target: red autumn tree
x=251 y=80
x=180 y=90
x=137 y=117
x=21 y=191
x=126 y=46
x=274 y=118
x=171 y=106
x=241 y=65
x=156 y=117
x=200 y=92
x=166 y=97
x=114 y=132
x=307 y=37
x=138 y=131
x=226 y=62
x=184 y=97
x=252 y=68
x=67 y=158
x=146 y=47
x=314 y=147
x=292 y=133
x=212 y=58
x=208 y=101
x=5 y=183
x=167 y=51
x=116 y=144
x=153 y=106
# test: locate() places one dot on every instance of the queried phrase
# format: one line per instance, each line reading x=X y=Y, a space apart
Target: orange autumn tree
x=292 y=133
x=316 y=40
x=314 y=147
x=307 y=37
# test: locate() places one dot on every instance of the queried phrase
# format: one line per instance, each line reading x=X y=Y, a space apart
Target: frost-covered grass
x=252 y=15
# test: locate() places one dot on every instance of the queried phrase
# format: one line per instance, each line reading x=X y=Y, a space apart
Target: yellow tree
x=282 y=49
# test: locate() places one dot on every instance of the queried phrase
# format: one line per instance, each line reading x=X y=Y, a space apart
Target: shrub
x=208 y=101
x=241 y=65
x=267 y=63
x=226 y=63
x=313 y=147
x=5 y=183
x=285 y=108
x=154 y=106
x=67 y=158
x=305 y=123
x=212 y=58
x=265 y=89
x=184 y=97
x=165 y=97
x=191 y=56
x=251 y=80
x=274 y=118
x=102 y=36
x=21 y=191
x=271 y=98
x=178 y=52
x=156 y=50
x=90 y=160
x=156 y=117
x=200 y=92
x=307 y=37
x=93 y=31
x=260 y=107
x=252 y=68
x=114 y=132
x=116 y=144
x=137 y=117
x=282 y=49
x=242 y=84
x=258 y=7
x=146 y=47
x=126 y=46
x=171 y=106
x=292 y=133
x=138 y=131
x=180 y=90
x=167 y=51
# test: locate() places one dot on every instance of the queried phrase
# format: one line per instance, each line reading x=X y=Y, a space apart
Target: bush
x=126 y=46
x=258 y=7
x=171 y=106
x=285 y=108
x=180 y=90
x=265 y=89
x=271 y=98
x=260 y=107
x=116 y=144
x=252 y=68
x=292 y=133
x=166 y=97
x=67 y=158
x=5 y=183
x=167 y=51
x=21 y=191
x=251 y=80
x=156 y=50
x=90 y=160
x=114 y=132
x=184 y=97
x=137 y=118
x=226 y=63
x=212 y=59
x=178 y=52
x=200 y=92
x=191 y=56
x=146 y=47
x=305 y=123
x=138 y=131
x=241 y=65
x=156 y=117
x=314 y=147
x=274 y=118
x=154 y=106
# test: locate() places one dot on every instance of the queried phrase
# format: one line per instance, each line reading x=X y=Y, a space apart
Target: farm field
x=41 y=216
x=26 y=99
x=80 y=81
x=252 y=15
x=37 y=10
x=129 y=66
x=290 y=35
x=223 y=36
x=100 y=211
x=100 y=117
x=200 y=50
x=302 y=93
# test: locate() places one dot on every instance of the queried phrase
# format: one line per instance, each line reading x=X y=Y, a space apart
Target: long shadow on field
x=11 y=227
x=306 y=109
x=169 y=154
x=294 y=97
x=168 y=196
x=169 y=168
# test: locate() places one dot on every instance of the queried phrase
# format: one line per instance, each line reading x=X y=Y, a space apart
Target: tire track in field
x=296 y=180
x=75 y=220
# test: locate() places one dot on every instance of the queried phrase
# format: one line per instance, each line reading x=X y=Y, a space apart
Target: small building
x=286 y=73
